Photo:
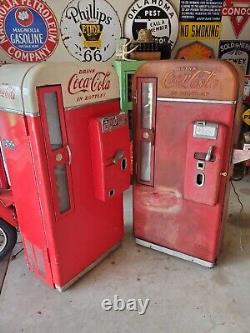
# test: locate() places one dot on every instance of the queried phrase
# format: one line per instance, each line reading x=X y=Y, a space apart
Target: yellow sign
x=195 y=50
x=92 y=33
x=246 y=117
x=200 y=30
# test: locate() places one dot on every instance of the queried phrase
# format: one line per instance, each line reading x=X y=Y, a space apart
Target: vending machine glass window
x=51 y=107
x=147 y=116
x=62 y=188
x=145 y=125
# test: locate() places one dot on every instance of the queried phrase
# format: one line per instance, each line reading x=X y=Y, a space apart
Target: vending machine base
x=86 y=270
x=174 y=253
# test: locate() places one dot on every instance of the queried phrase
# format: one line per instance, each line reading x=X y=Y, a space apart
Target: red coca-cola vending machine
x=66 y=148
x=185 y=121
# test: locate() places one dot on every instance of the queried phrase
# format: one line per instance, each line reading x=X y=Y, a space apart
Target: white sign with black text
x=159 y=16
x=90 y=30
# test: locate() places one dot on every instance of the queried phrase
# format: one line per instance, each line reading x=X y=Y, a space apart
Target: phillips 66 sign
x=90 y=29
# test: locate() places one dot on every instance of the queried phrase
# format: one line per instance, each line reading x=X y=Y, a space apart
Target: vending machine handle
x=69 y=154
x=209 y=153
x=119 y=155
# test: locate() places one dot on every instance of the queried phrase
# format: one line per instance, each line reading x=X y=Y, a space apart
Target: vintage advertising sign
x=246 y=95
x=239 y=12
x=200 y=10
x=28 y=30
x=195 y=51
x=90 y=30
x=159 y=16
x=236 y=51
x=91 y=83
x=200 y=30
x=246 y=117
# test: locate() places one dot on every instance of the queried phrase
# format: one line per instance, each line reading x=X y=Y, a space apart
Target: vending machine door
x=145 y=131
x=57 y=150
x=204 y=162
x=110 y=150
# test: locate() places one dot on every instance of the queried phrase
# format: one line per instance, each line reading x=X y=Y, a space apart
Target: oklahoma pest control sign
x=90 y=29
x=28 y=30
x=158 y=16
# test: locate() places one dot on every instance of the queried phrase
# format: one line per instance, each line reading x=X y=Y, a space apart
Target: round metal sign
x=158 y=16
x=28 y=32
x=246 y=117
x=90 y=29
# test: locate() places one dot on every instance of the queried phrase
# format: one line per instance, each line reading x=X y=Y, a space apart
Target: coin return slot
x=124 y=164
x=111 y=193
x=200 y=165
x=200 y=178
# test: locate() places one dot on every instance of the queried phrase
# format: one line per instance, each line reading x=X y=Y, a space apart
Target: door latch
x=209 y=154
x=119 y=155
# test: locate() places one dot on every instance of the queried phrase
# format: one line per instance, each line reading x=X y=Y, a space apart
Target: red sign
x=238 y=14
x=28 y=30
x=191 y=79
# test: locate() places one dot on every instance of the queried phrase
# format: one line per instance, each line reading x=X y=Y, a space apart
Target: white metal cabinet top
x=81 y=84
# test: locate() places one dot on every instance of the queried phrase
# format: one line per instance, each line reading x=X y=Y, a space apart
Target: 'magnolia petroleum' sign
x=28 y=30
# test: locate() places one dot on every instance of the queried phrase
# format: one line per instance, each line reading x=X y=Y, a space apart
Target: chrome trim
x=20 y=113
x=4 y=240
x=193 y=100
x=33 y=115
x=174 y=253
x=75 y=107
x=69 y=154
x=86 y=270
x=11 y=111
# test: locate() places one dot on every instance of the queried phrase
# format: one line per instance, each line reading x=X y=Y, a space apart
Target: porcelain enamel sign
x=28 y=30
x=159 y=16
x=90 y=30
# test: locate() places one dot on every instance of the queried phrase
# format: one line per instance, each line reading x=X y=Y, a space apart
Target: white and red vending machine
x=185 y=116
x=67 y=152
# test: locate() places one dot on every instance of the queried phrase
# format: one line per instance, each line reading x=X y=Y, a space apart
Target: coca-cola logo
x=190 y=79
x=7 y=92
x=89 y=81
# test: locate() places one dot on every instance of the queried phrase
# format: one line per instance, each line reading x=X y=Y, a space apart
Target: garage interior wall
x=61 y=53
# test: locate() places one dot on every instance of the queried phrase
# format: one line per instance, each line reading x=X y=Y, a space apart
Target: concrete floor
x=184 y=296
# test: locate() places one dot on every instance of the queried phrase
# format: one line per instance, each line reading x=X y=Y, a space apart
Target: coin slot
x=124 y=164
x=200 y=178
x=111 y=193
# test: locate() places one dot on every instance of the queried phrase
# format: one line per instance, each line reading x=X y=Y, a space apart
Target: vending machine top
x=187 y=79
x=81 y=84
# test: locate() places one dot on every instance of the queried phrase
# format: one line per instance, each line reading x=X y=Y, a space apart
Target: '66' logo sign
x=28 y=30
x=89 y=29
